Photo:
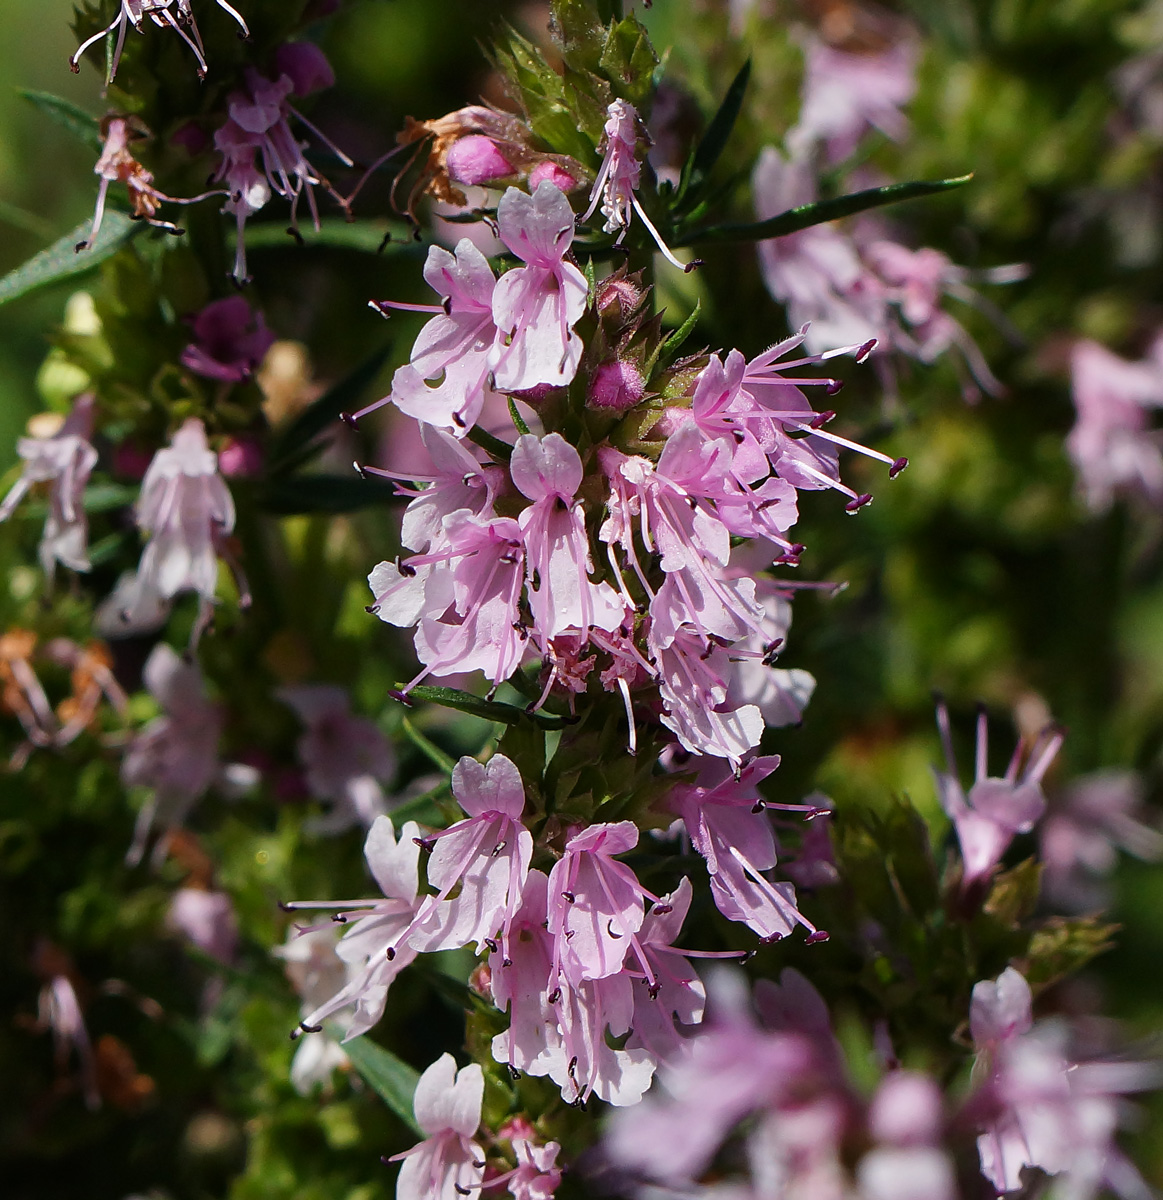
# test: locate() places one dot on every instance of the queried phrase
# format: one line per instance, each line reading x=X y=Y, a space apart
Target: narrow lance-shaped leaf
x=807 y=215
x=491 y=710
x=389 y=1077
x=82 y=125
x=62 y=261
x=714 y=140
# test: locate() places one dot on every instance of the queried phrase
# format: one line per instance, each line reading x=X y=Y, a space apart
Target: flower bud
x=554 y=173
x=618 y=385
x=476 y=159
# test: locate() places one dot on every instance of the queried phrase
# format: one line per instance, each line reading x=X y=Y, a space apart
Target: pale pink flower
x=454 y=348
x=230 y=340
x=177 y=15
x=994 y=810
x=694 y=685
x=595 y=903
x=465 y=594
x=817 y=272
x=726 y=819
x=346 y=758
x=205 y=919
x=316 y=972
x=176 y=754
x=732 y=1068
x=117 y=165
x=1083 y=830
x=537 y=1175
x=618 y=179
x=458 y=481
x=258 y=128
x=520 y=984
x=557 y=550
x=63 y=461
x=846 y=93
x=375 y=946
x=487 y=857
x=448 y=1164
x=670 y=1000
x=59 y=1010
x=1112 y=448
x=535 y=307
x=187 y=509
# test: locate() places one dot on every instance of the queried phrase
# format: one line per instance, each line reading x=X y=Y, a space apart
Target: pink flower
x=375 y=946
x=726 y=821
x=672 y=994
x=316 y=972
x=207 y=920
x=258 y=125
x=537 y=1175
x=117 y=165
x=618 y=178
x=475 y=160
x=346 y=757
x=63 y=461
x=557 y=550
x=535 y=307
x=176 y=754
x=595 y=903
x=1111 y=446
x=188 y=511
x=165 y=14
x=1083 y=830
x=448 y=1164
x=847 y=93
x=995 y=809
x=230 y=340
x=455 y=347
x=465 y=593
x=487 y=857
x=817 y=273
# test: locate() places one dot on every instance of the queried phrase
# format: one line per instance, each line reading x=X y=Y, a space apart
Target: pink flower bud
x=551 y=172
x=240 y=456
x=305 y=65
x=618 y=291
x=617 y=385
x=476 y=159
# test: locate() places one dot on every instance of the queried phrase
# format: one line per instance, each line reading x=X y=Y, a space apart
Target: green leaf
x=518 y=420
x=82 y=125
x=477 y=706
x=806 y=215
x=388 y=1076
x=61 y=260
x=492 y=446
x=680 y=335
x=714 y=140
x=293 y=495
x=628 y=61
x=323 y=412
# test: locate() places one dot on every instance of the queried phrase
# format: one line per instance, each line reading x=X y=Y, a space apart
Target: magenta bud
x=897 y=467
x=476 y=159
x=553 y=173
x=241 y=456
x=814 y=939
x=618 y=385
x=306 y=66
